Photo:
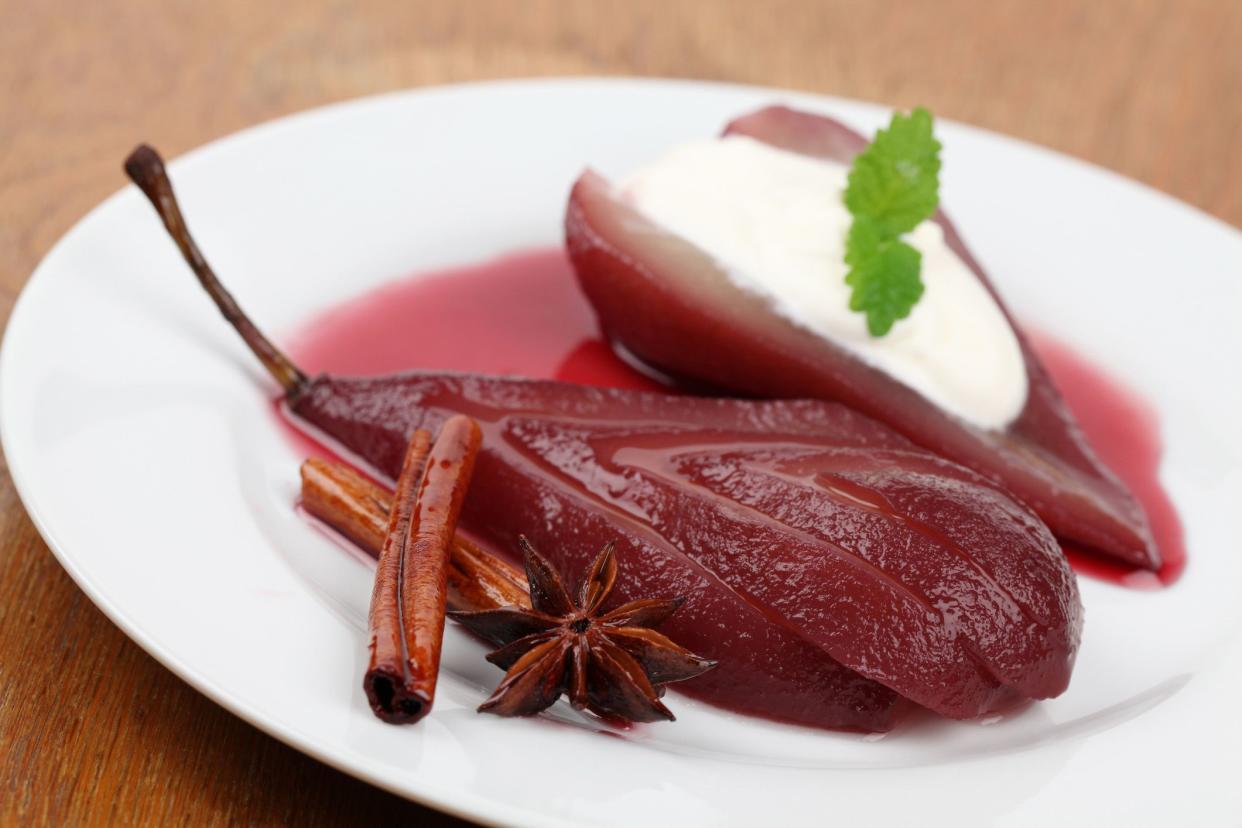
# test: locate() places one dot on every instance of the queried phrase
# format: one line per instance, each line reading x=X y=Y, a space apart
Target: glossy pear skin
x=668 y=303
x=829 y=565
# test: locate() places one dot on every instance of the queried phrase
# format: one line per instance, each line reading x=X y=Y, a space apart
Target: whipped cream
x=776 y=224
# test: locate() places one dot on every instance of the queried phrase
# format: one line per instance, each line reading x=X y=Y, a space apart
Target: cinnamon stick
x=358 y=507
x=409 y=600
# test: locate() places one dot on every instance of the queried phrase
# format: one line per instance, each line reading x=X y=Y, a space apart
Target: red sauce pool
x=523 y=315
x=520 y=315
x=1123 y=429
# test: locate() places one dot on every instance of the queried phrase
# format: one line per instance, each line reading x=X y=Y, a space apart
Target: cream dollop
x=776 y=223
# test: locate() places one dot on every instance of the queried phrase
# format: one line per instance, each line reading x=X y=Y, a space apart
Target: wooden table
x=92 y=730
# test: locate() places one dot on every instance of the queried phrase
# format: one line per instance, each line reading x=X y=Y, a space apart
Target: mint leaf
x=896 y=179
x=893 y=186
x=884 y=275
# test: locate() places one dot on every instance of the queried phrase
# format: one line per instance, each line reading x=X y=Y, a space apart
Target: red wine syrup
x=523 y=315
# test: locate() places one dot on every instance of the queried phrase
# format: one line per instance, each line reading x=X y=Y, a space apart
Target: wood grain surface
x=94 y=731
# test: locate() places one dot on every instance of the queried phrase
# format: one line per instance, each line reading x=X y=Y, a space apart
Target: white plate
x=139 y=433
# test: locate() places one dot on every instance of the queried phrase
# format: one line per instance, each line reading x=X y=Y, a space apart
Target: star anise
x=612 y=664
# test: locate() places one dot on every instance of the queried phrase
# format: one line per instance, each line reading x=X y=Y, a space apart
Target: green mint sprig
x=893 y=186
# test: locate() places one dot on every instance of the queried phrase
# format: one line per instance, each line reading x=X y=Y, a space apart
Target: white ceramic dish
x=140 y=435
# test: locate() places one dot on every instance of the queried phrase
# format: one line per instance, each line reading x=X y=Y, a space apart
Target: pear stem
x=146 y=169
